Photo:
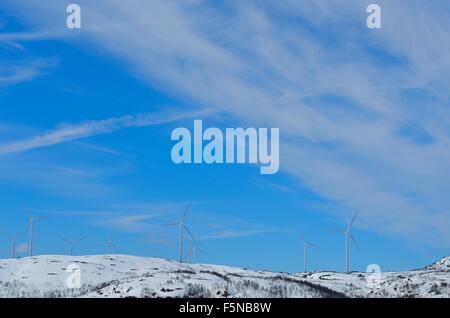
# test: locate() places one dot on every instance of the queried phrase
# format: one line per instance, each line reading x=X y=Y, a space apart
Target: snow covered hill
x=432 y=281
x=129 y=276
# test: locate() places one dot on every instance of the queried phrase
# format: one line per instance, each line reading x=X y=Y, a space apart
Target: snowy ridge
x=130 y=276
x=441 y=265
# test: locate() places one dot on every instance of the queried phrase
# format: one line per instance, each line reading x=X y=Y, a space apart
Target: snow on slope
x=432 y=281
x=441 y=265
x=129 y=276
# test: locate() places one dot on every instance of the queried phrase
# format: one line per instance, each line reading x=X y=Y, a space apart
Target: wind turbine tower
x=305 y=248
x=195 y=249
x=31 y=220
x=71 y=243
x=110 y=244
x=348 y=234
x=13 y=240
x=182 y=227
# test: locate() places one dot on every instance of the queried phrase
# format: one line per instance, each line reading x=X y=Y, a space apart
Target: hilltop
x=130 y=276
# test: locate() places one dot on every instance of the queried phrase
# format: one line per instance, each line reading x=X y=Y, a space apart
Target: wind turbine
x=189 y=253
x=348 y=234
x=71 y=243
x=31 y=220
x=305 y=248
x=195 y=249
x=110 y=243
x=14 y=241
x=182 y=228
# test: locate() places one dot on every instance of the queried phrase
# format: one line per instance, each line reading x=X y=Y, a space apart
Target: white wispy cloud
x=129 y=216
x=130 y=222
x=235 y=233
x=97 y=148
x=69 y=132
x=158 y=241
x=30 y=36
x=341 y=93
x=12 y=73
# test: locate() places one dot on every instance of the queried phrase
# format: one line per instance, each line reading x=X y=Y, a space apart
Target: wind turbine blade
x=313 y=245
x=202 y=251
x=171 y=224
x=27 y=211
x=353 y=220
x=64 y=239
x=353 y=239
x=114 y=246
x=6 y=235
x=19 y=236
x=337 y=231
x=189 y=232
x=37 y=218
x=185 y=212
x=302 y=237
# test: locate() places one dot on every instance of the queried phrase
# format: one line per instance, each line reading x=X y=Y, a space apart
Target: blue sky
x=86 y=117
